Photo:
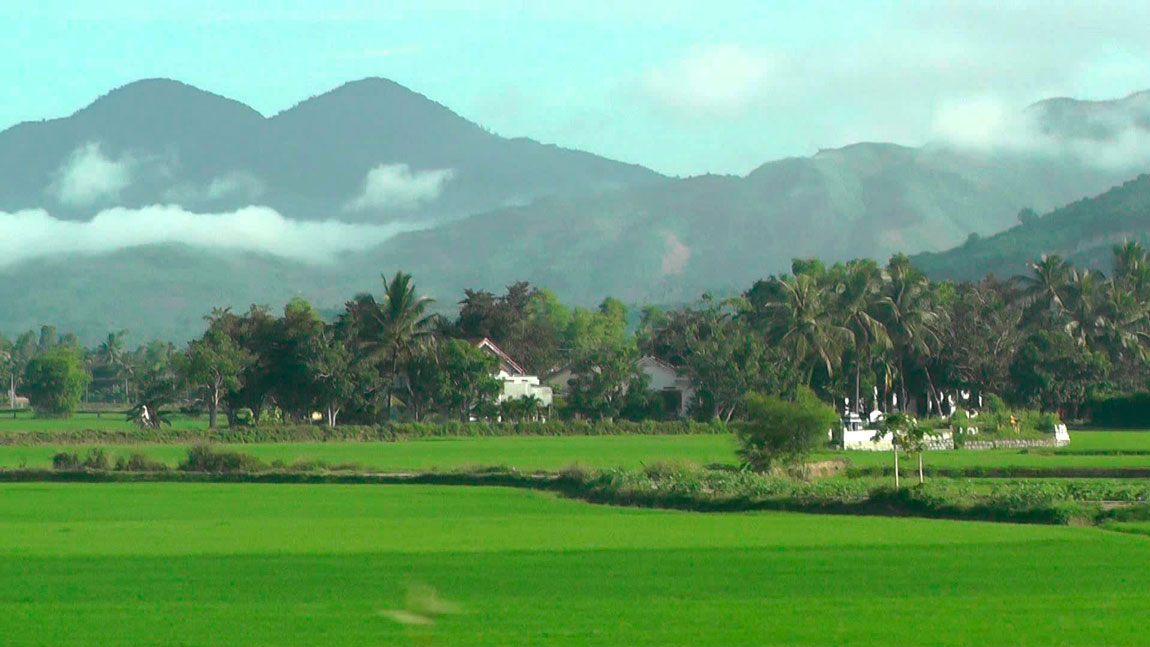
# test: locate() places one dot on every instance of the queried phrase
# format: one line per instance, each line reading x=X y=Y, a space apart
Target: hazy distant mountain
x=672 y=242
x=167 y=142
x=1084 y=232
x=582 y=225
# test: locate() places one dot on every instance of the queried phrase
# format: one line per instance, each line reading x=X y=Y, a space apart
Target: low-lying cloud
x=89 y=177
x=32 y=234
x=1112 y=135
x=397 y=187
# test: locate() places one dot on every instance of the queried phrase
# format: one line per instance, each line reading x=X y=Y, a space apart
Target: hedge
x=363 y=433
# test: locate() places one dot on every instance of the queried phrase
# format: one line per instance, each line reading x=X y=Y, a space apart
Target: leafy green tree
x=782 y=431
x=54 y=382
x=213 y=366
x=907 y=434
x=468 y=380
x=603 y=375
x=1053 y=372
x=799 y=318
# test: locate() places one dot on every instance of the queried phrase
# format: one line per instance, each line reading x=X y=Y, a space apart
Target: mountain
x=674 y=241
x=167 y=142
x=496 y=210
x=1083 y=232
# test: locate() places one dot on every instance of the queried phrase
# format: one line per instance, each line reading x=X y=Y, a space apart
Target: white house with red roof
x=516 y=382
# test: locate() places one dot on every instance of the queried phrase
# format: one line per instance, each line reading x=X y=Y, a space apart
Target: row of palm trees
x=857 y=318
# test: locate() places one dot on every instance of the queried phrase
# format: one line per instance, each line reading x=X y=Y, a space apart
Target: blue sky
x=682 y=87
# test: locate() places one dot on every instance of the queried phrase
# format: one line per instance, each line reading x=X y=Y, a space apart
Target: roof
x=494 y=349
x=651 y=359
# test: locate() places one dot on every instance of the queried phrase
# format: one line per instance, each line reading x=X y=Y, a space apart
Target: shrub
x=139 y=463
x=777 y=430
x=203 y=458
x=96 y=459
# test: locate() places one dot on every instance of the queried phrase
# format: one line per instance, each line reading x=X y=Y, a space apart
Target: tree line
x=855 y=331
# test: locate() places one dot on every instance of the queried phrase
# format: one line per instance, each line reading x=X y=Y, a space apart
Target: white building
x=516 y=382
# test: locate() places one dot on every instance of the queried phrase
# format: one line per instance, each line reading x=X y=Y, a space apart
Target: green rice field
x=554 y=452
x=303 y=565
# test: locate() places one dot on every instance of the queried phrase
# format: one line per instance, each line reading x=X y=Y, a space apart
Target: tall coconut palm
x=801 y=322
x=859 y=306
x=1046 y=288
x=111 y=354
x=396 y=325
x=1132 y=266
x=910 y=318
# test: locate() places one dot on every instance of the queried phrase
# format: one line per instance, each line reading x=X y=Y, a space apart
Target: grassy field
x=526 y=453
x=552 y=453
x=172 y=564
x=23 y=421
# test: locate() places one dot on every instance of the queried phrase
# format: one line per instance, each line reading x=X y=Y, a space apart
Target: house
x=675 y=388
x=516 y=382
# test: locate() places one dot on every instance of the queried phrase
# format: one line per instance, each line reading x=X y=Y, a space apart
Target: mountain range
x=479 y=210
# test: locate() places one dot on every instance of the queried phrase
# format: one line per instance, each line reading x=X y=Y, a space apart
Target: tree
x=602 y=376
x=906 y=434
x=110 y=353
x=910 y=318
x=54 y=382
x=213 y=365
x=1053 y=372
x=799 y=319
x=860 y=304
x=782 y=431
x=394 y=327
x=467 y=377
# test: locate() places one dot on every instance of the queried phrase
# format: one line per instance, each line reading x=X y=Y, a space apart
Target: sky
x=683 y=87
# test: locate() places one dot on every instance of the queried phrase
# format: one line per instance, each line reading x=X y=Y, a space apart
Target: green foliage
x=781 y=431
x=203 y=458
x=54 y=382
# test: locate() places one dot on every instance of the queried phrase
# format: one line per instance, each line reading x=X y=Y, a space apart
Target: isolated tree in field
x=54 y=382
x=783 y=431
x=907 y=434
x=212 y=365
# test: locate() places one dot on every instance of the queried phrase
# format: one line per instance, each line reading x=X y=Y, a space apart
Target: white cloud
x=30 y=234
x=714 y=80
x=237 y=183
x=395 y=186
x=241 y=185
x=89 y=177
x=1112 y=138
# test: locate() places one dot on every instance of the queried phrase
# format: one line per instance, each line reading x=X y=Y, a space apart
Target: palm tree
x=396 y=325
x=860 y=299
x=910 y=318
x=1132 y=266
x=1046 y=288
x=110 y=353
x=801 y=322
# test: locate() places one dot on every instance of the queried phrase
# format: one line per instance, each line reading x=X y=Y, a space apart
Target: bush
x=139 y=463
x=202 y=458
x=780 y=431
x=96 y=459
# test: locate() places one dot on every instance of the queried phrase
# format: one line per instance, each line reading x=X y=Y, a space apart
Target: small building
x=675 y=388
x=516 y=382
